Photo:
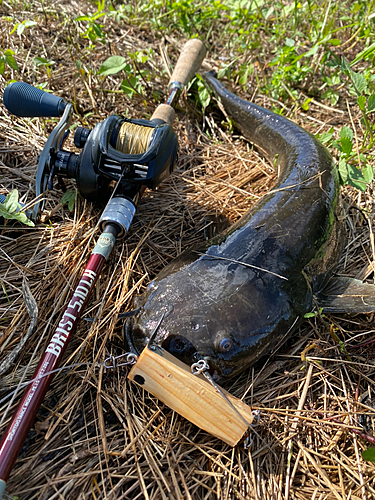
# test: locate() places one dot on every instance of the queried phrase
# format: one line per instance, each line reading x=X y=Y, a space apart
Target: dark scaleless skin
x=225 y=311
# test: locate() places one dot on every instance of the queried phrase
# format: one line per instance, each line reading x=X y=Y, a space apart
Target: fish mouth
x=184 y=350
x=136 y=339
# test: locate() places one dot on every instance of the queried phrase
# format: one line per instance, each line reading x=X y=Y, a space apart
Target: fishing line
x=131 y=359
x=202 y=367
x=133 y=139
x=48 y=322
x=25 y=384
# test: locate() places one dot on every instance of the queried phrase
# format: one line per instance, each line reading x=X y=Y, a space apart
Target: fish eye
x=225 y=345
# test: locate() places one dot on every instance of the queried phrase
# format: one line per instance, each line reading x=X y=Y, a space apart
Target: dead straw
x=97 y=436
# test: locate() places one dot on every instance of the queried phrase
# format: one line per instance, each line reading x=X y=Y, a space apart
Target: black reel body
x=103 y=160
x=127 y=153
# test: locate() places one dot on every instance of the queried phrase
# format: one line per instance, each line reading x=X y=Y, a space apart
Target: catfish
x=229 y=301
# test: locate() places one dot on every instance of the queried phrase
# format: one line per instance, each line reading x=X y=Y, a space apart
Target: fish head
x=229 y=322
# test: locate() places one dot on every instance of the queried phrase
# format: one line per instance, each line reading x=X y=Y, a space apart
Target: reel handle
x=189 y=62
x=22 y=99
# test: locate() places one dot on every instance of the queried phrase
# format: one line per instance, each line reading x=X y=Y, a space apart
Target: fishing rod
x=133 y=154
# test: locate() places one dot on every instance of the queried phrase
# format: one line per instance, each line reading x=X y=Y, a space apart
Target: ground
x=97 y=435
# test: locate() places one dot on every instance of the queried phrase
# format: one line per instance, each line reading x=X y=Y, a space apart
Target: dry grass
x=97 y=435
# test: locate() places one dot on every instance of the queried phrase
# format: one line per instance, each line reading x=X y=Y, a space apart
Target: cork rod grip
x=187 y=65
x=164 y=112
x=189 y=61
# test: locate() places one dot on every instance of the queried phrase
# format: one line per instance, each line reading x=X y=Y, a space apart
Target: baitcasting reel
x=128 y=153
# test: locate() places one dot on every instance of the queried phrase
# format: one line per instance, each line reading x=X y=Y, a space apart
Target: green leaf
x=361 y=102
x=82 y=18
x=9 y=59
x=203 y=95
x=98 y=32
x=363 y=54
x=27 y=23
x=2 y=65
x=346 y=145
x=244 y=77
x=312 y=51
x=40 y=61
x=21 y=217
x=343 y=171
x=127 y=88
x=325 y=137
x=369 y=454
x=3 y=213
x=367 y=172
x=346 y=66
x=112 y=65
x=20 y=29
x=355 y=178
x=305 y=105
x=334 y=98
x=97 y=16
x=14 y=29
x=9 y=207
x=11 y=201
x=222 y=72
x=359 y=82
x=346 y=132
x=310 y=315
x=69 y=197
x=371 y=103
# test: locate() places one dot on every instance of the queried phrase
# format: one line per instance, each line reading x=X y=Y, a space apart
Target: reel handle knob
x=22 y=99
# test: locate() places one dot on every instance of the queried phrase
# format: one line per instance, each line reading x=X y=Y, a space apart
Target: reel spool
x=133 y=153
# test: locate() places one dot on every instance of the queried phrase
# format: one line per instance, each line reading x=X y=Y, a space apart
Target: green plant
x=7 y=59
x=41 y=62
x=11 y=209
x=314 y=314
x=21 y=27
x=353 y=167
x=365 y=98
x=204 y=96
x=330 y=93
x=69 y=197
x=135 y=77
x=113 y=65
x=289 y=69
x=94 y=30
x=369 y=454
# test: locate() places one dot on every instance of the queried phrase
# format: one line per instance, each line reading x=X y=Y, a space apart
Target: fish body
x=232 y=299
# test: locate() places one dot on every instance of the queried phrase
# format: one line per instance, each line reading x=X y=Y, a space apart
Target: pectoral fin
x=347 y=295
